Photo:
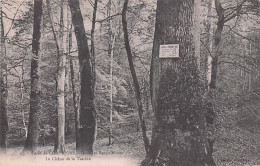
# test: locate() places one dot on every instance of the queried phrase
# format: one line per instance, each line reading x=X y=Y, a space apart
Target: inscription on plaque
x=169 y=51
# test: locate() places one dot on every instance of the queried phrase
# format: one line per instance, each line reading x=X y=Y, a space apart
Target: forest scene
x=130 y=83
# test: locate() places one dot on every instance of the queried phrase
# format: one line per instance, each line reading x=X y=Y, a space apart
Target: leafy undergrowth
x=237 y=147
x=234 y=145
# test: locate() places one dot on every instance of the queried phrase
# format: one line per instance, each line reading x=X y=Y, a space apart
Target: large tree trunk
x=179 y=132
x=87 y=113
x=134 y=76
x=33 y=127
x=3 y=90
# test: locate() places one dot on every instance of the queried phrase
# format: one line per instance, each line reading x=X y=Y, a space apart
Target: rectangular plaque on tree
x=169 y=51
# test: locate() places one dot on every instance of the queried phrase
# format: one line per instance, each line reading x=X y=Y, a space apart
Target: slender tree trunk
x=206 y=70
x=3 y=89
x=111 y=43
x=111 y=53
x=217 y=43
x=208 y=44
x=87 y=112
x=196 y=31
x=60 y=132
x=60 y=80
x=135 y=79
x=33 y=127
x=74 y=94
x=179 y=131
x=92 y=50
x=21 y=100
x=68 y=26
x=216 y=52
x=22 y=110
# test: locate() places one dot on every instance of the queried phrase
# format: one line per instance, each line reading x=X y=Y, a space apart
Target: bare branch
x=237 y=65
x=14 y=18
x=235 y=12
x=244 y=37
x=91 y=3
x=108 y=18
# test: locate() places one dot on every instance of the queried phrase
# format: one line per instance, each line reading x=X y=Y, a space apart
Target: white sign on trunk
x=169 y=51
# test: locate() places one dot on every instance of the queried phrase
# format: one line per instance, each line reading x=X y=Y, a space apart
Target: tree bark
x=33 y=127
x=3 y=90
x=135 y=79
x=179 y=131
x=87 y=112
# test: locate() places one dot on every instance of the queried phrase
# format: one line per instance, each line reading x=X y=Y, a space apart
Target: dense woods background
x=84 y=76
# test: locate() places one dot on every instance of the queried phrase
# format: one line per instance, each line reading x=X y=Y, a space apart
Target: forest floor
x=127 y=150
